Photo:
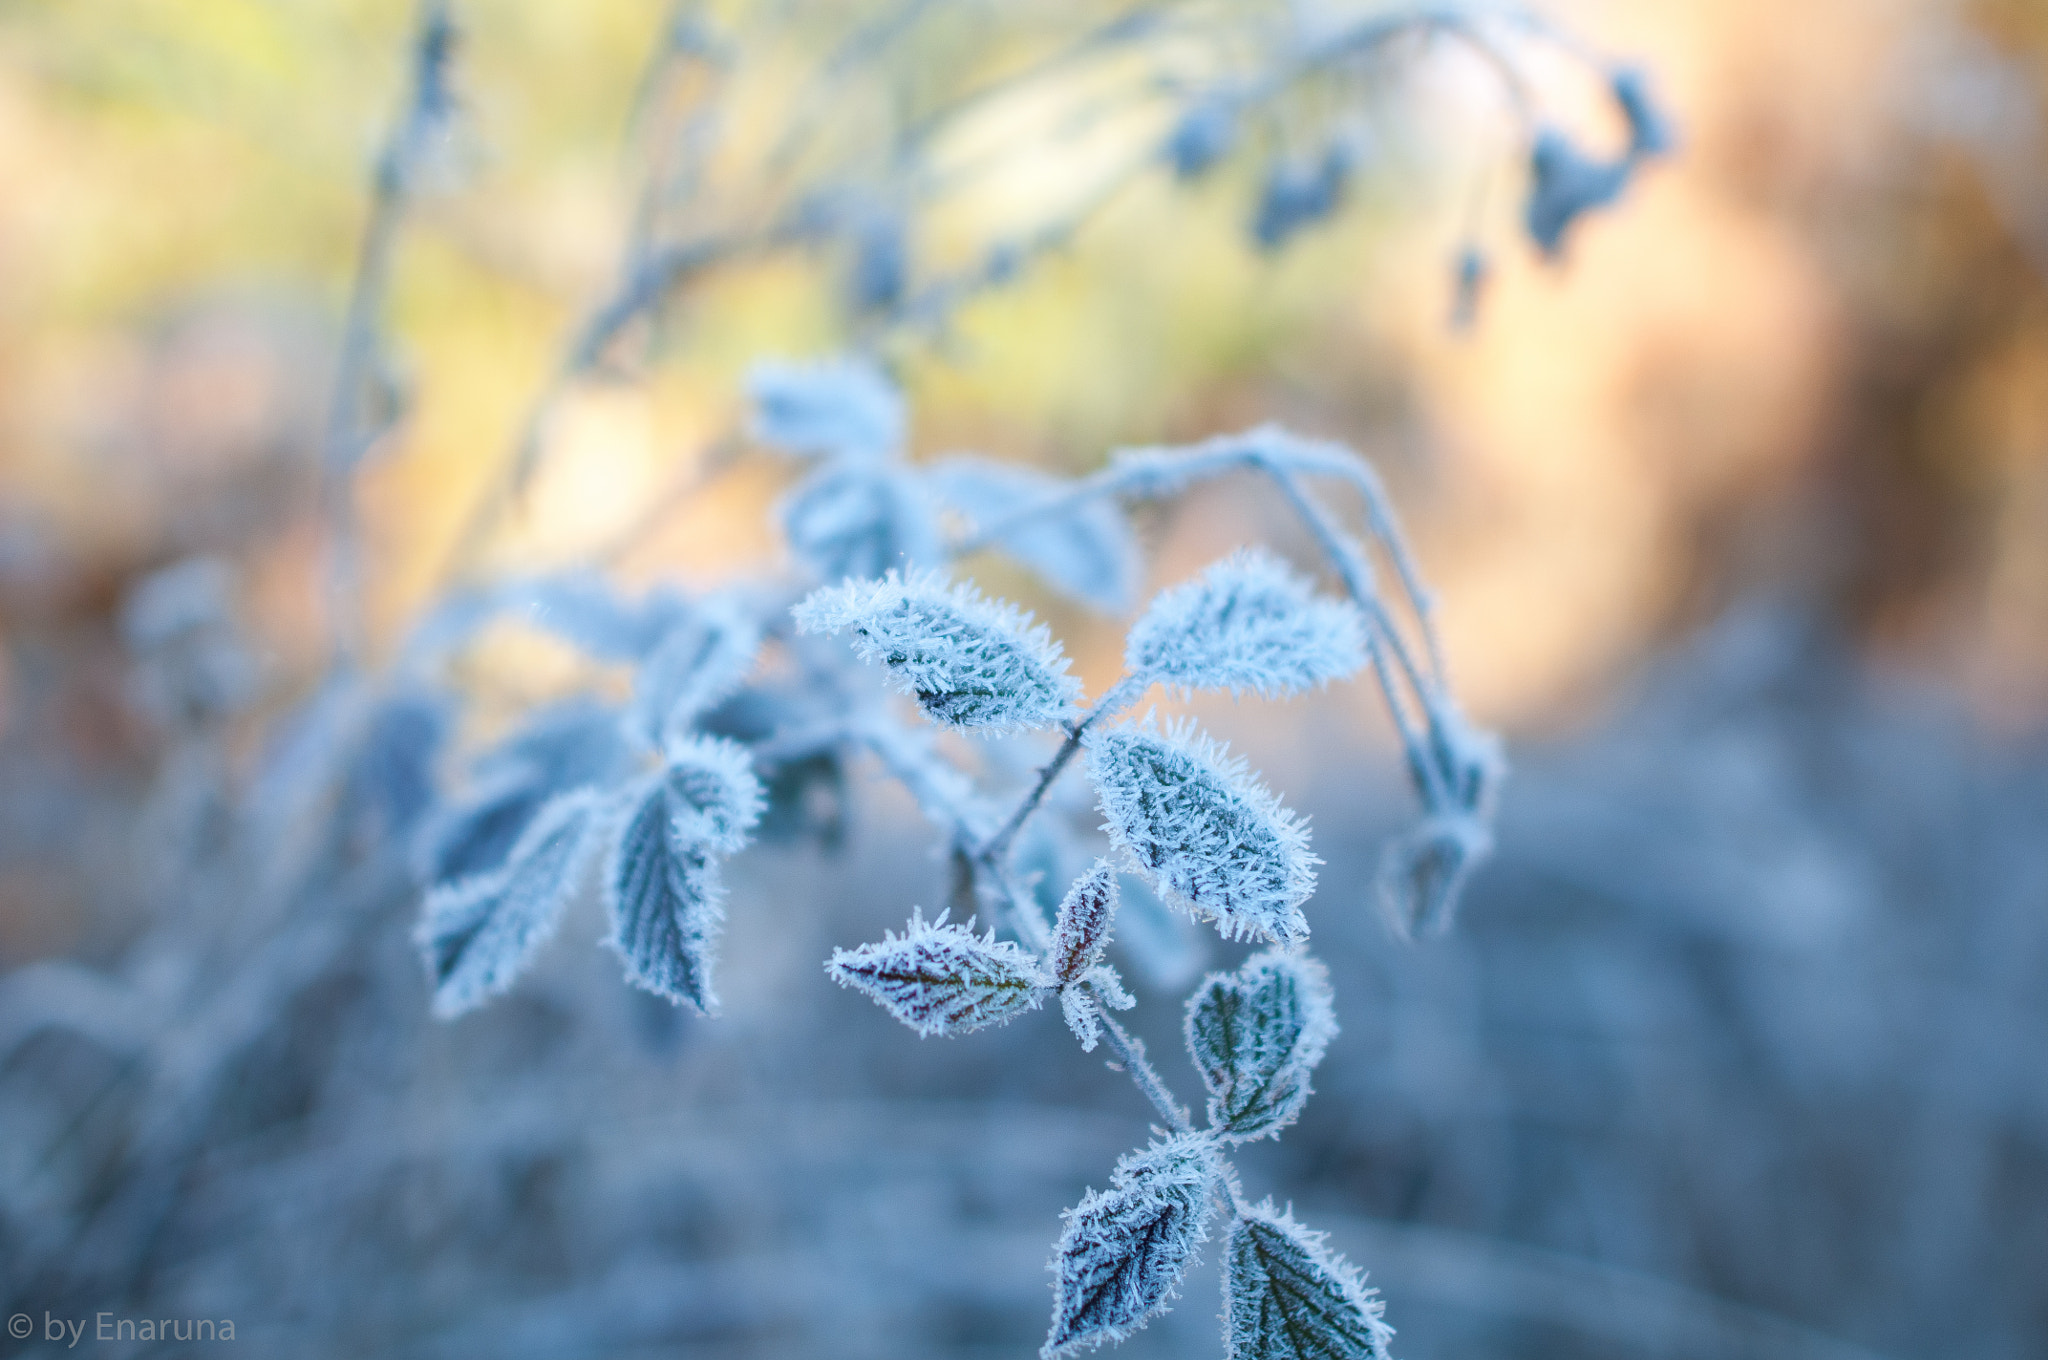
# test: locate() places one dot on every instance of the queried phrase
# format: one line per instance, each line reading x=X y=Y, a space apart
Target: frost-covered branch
x=715 y=721
x=1113 y=701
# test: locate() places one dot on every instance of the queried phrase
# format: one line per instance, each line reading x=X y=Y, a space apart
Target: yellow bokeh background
x=1678 y=414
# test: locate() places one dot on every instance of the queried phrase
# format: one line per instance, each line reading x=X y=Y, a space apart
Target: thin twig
x=1113 y=701
x=352 y=428
x=1130 y=1051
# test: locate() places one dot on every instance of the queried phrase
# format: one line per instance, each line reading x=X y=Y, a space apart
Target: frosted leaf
x=1422 y=873
x=1246 y=623
x=1286 y=1296
x=806 y=794
x=1125 y=1249
x=854 y=520
x=836 y=408
x=663 y=898
x=942 y=979
x=968 y=661
x=475 y=836
x=714 y=795
x=1564 y=184
x=478 y=934
x=1257 y=1035
x=702 y=660
x=1206 y=836
x=1086 y=552
x=1083 y=924
x=566 y=746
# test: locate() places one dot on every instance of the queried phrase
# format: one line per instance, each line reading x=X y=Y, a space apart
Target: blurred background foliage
x=1738 y=514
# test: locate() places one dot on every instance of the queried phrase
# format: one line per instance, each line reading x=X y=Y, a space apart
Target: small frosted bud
x=831 y=408
x=1649 y=129
x=1257 y=1035
x=1469 y=761
x=1125 y=1249
x=1246 y=623
x=1084 y=921
x=1289 y=1297
x=942 y=979
x=1205 y=835
x=1109 y=988
x=1202 y=137
x=1299 y=194
x=1564 y=184
x=969 y=662
x=1423 y=872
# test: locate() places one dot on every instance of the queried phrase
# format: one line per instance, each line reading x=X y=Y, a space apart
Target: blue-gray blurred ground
x=1734 y=1053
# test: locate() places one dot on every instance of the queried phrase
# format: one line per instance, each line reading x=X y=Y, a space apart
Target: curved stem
x=1382 y=638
